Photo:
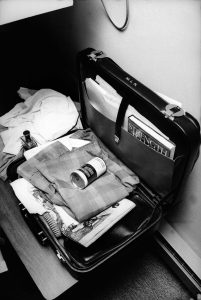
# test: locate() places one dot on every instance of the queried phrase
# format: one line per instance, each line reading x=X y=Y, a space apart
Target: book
x=150 y=137
x=89 y=231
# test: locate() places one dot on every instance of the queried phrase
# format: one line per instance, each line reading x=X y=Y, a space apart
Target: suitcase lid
x=160 y=173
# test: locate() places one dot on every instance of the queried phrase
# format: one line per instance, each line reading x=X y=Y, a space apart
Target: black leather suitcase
x=161 y=177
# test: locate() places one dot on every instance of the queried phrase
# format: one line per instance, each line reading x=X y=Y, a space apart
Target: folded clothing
x=50 y=171
x=5 y=158
x=47 y=114
x=36 y=202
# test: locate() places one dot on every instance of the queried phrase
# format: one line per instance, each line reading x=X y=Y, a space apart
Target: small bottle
x=28 y=142
x=89 y=172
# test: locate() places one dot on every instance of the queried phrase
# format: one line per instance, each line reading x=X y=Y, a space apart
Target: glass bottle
x=28 y=141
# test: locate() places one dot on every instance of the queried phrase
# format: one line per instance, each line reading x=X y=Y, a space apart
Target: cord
x=124 y=26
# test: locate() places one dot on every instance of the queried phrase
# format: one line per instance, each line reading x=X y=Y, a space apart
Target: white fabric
x=66 y=141
x=34 y=204
x=47 y=115
x=25 y=193
x=3 y=266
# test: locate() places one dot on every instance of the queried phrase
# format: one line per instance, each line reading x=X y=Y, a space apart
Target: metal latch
x=172 y=110
x=96 y=54
x=116 y=139
x=60 y=257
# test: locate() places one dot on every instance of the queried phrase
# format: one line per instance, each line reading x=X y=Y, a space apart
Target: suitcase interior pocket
x=153 y=168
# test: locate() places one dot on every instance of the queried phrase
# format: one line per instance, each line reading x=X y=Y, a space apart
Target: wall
x=161 y=46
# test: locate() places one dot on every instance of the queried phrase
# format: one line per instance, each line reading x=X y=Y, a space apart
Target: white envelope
x=104 y=102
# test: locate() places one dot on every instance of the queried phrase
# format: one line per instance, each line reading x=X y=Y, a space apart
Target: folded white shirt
x=32 y=201
x=24 y=191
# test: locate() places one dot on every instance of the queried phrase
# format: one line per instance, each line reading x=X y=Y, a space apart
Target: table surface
x=50 y=276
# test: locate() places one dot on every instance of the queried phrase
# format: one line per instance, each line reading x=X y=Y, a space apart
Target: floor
x=144 y=277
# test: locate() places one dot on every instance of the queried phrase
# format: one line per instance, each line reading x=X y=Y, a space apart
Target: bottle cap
x=26 y=132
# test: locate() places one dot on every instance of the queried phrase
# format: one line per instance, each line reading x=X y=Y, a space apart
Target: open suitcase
x=161 y=177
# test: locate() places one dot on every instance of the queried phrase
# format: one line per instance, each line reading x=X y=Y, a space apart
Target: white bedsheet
x=47 y=115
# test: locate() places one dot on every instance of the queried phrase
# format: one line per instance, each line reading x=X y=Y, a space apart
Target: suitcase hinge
x=96 y=54
x=172 y=110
